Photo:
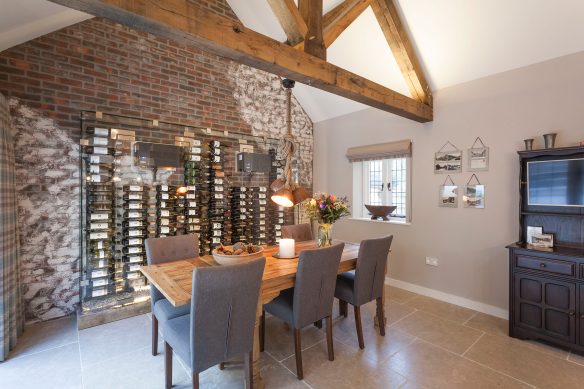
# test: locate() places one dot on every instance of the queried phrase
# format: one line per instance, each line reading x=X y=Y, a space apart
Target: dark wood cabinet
x=546 y=286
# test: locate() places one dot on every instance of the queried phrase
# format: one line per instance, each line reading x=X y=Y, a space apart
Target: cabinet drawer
x=546 y=265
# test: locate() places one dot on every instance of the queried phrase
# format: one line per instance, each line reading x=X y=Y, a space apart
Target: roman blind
x=397 y=149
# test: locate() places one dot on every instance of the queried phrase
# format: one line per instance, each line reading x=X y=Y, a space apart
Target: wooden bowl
x=223 y=259
x=380 y=211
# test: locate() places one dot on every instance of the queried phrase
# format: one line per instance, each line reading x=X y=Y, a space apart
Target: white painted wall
x=503 y=110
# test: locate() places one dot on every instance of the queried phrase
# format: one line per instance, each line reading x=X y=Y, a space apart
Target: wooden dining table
x=174 y=281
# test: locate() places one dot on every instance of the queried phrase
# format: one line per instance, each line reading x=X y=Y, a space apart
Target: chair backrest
x=168 y=249
x=223 y=312
x=314 y=289
x=298 y=232
x=370 y=271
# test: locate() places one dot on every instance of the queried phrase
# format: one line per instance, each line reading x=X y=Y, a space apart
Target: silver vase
x=528 y=143
x=549 y=140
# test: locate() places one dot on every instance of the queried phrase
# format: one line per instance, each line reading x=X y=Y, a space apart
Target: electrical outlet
x=431 y=261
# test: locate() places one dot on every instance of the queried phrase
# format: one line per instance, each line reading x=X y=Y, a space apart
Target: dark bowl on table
x=380 y=211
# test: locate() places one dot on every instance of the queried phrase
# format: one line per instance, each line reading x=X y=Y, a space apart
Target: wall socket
x=431 y=261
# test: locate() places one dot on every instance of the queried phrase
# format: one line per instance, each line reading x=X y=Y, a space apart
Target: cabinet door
x=546 y=305
x=581 y=312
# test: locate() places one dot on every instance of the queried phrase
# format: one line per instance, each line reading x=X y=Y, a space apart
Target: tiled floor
x=428 y=344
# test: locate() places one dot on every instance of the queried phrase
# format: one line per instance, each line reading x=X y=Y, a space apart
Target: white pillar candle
x=286 y=248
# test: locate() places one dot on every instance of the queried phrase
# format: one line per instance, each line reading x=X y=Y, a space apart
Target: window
x=382 y=182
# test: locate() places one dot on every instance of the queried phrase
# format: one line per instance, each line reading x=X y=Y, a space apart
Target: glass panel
x=399 y=185
x=375 y=183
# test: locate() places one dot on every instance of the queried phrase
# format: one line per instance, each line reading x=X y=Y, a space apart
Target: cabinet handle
x=571 y=313
x=541 y=264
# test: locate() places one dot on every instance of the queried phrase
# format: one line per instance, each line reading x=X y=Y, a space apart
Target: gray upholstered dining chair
x=310 y=300
x=160 y=250
x=366 y=283
x=222 y=320
x=298 y=232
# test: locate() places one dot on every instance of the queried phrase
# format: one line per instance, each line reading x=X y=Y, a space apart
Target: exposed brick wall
x=101 y=66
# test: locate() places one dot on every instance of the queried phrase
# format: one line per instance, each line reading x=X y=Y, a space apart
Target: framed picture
x=531 y=231
x=543 y=240
x=448 y=196
x=448 y=161
x=478 y=159
x=474 y=196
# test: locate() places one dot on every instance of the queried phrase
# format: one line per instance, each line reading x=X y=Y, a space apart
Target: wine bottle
x=133 y=223
x=135 y=214
x=99 y=150
x=97 y=131
x=133 y=188
x=130 y=250
x=133 y=196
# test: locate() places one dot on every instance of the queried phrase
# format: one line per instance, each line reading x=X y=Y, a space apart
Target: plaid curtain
x=11 y=312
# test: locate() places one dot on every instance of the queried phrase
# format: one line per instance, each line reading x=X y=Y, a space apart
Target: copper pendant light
x=286 y=192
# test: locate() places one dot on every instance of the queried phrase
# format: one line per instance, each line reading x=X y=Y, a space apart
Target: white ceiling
x=456 y=40
x=23 y=20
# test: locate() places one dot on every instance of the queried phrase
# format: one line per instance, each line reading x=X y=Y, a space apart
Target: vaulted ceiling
x=456 y=40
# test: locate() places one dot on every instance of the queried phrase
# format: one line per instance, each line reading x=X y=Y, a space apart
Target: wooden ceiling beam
x=339 y=18
x=189 y=24
x=403 y=50
x=290 y=19
x=313 y=42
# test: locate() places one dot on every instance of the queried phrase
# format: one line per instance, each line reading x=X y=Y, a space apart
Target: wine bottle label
x=165 y=213
x=100 y=150
x=217 y=225
x=99 y=292
x=133 y=276
x=261 y=195
x=217 y=151
x=164 y=196
x=263 y=202
x=194 y=220
x=101 y=254
x=242 y=196
x=100 y=282
x=99 y=216
x=218 y=189
x=98 y=273
x=190 y=196
x=94 y=159
x=216 y=158
x=134 y=196
x=261 y=215
x=263 y=189
x=100 y=245
x=192 y=211
x=281 y=221
x=134 y=214
x=96 y=178
x=98 y=235
x=164 y=230
x=216 y=232
x=243 y=217
x=134 y=205
x=196 y=150
x=100 y=131
x=279 y=171
x=262 y=222
x=134 y=250
x=135 y=223
x=191 y=188
x=94 y=169
x=135 y=188
x=278 y=233
x=278 y=239
x=278 y=227
x=133 y=267
x=262 y=236
x=134 y=233
x=219 y=181
x=243 y=210
x=164 y=222
x=192 y=204
x=99 y=141
x=262 y=209
x=216 y=240
x=195 y=228
x=135 y=259
x=218 y=195
x=216 y=143
x=134 y=241
x=242 y=203
x=162 y=204
x=243 y=189
x=98 y=226
x=163 y=188
x=195 y=158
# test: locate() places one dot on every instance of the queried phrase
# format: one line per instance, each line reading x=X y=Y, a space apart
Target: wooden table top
x=174 y=279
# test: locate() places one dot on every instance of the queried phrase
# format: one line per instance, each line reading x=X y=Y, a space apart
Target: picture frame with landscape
x=478 y=159
x=448 y=162
x=474 y=196
x=448 y=196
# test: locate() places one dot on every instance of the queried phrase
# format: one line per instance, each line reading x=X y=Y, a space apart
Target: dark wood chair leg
x=154 y=335
x=343 y=308
x=298 y=352
x=195 y=380
x=168 y=365
x=318 y=324
x=359 y=327
x=380 y=316
x=329 y=337
x=247 y=367
x=262 y=331
x=222 y=366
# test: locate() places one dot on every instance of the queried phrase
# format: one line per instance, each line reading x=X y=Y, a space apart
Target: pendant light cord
x=288 y=145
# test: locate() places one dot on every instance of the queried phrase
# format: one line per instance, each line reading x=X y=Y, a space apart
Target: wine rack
x=219 y=229
x=193 y=176
x=240 y=214
x=259 y=209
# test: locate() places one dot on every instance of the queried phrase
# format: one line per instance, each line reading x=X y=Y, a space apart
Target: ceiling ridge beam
x=290 y=19
x=403 y=51
x=189 y=24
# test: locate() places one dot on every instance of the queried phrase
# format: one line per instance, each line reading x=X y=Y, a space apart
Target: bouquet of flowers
x=326 y=208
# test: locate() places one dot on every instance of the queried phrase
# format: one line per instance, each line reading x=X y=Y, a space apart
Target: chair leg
x=222 y=366
x=195 y=380
x=380 y=316
x=329 y=337
x=318 y=324
x=298 y=352
x=168 y=365
x=247 y=367
x=343 y=308
x=359 y=327
x=263 y=331
x=154 y=335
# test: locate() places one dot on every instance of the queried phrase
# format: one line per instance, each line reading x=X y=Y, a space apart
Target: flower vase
x=325 y=234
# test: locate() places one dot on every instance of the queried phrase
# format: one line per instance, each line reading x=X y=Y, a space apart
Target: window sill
x=390 y=221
